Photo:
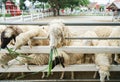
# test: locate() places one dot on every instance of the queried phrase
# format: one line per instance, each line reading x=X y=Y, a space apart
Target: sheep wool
x=32 y=59
x=115 y=33
x=103 y=61
x=57 y=34
x=4 y=59
x=103 y=31
x=25 y=37
x=42 y=33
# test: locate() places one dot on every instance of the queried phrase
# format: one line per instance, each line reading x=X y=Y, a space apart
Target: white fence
x=70 y=49
x=30 y=17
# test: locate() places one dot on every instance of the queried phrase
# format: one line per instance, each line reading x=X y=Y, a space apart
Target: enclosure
x=83 y=72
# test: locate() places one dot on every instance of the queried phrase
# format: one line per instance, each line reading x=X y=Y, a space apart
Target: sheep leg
x=27 y=66
x=114 y=59
x=43 y=75
x=95 y=74
x=22 y=74
x=62 y=75
x=72 y=75
x=8 y=75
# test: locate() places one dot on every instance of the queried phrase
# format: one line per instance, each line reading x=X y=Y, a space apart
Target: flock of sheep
x=56 y=32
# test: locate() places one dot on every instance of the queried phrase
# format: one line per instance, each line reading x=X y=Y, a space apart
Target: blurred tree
x=4 y=1
x=22 y=5
x=56 y=5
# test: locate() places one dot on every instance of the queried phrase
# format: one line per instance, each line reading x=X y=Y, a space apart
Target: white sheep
x=66 y=59
x=115 y=33
x=8 y=34
x=89 y=57
x=26 y=38
x=103 y=61
x=31 y=59
x=57 y=33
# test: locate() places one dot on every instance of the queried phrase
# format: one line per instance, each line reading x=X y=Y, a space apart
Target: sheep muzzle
x=5 y=40
x=58 y=60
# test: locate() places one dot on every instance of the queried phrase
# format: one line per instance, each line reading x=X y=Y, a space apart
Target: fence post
x=42 y=14
x=4 y=12
x=22 y=19
x=38 y=14
x=31 y=17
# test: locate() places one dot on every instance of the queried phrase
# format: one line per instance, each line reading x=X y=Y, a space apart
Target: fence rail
x=23 y=18
x=34 y=68
x=66 y=23
x=69 y=49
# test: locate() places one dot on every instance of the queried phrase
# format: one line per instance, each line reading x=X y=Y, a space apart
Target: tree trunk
x=58 y=13
x=71 y=9
x=54 y=11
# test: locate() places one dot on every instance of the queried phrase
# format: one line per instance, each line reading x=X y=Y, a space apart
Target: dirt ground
x=79 y=19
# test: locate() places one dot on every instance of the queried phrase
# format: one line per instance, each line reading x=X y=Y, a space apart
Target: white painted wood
x=69 y=49
x=35 y=68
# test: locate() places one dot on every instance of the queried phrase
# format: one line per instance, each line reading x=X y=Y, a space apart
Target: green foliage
x=22 y=6
x=4 y=1
x=6 y=15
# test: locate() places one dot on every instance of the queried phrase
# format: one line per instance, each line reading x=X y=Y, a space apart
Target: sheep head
x=56 y=34
x=104 y=72
x=8 y=34
x=58 y=60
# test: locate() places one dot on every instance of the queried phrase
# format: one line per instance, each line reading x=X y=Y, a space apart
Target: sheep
x=66 y=59
x=26 y=38
x=57 y=33
x=103 y=61
x=76 y=58
x=9 y=33
x=31 y=59
x=89 y=57
x=115 y=33
x=103 y=31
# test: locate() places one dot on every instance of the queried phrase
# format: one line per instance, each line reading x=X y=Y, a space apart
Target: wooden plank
x=62 y=80
x=35 y=68
x=68 y=49
x=66 y=23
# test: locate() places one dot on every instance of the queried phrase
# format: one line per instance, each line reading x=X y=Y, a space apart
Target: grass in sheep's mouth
x=14 y=54
x=53 y=51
